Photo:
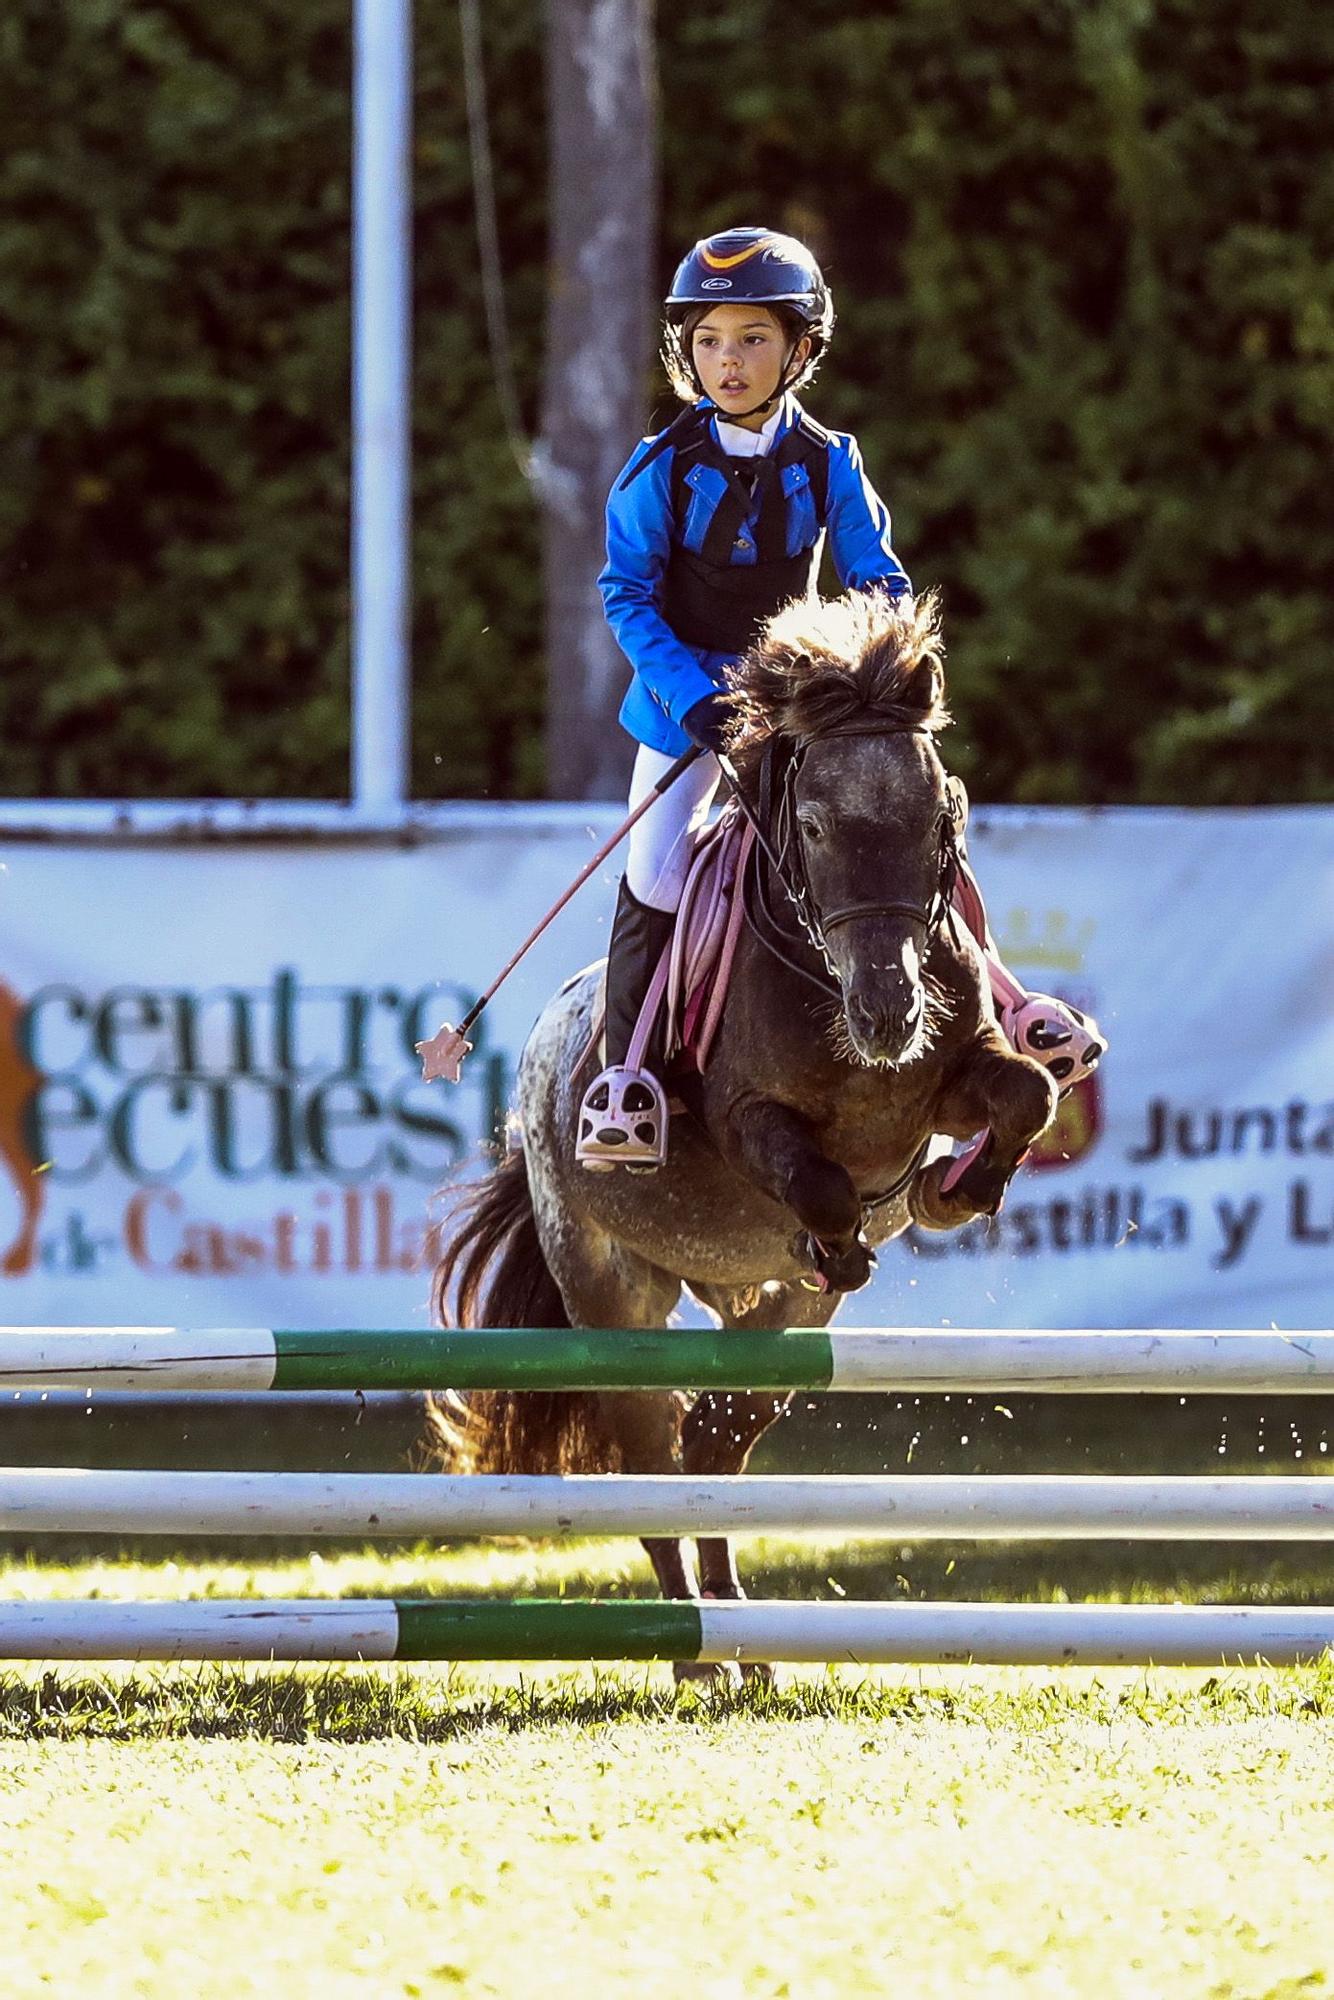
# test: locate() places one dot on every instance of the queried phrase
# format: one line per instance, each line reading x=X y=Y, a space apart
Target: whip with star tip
x=443 y=1054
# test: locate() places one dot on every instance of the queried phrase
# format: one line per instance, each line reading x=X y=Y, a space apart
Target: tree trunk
x=603 y=191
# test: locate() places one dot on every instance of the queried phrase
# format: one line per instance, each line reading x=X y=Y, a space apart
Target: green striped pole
x=918 y=1360
x=861 y=1634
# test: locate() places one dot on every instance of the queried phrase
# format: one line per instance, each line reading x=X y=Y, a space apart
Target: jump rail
x=862 y=1634
x=929 y=1507
x=908 y=1360
x=924 y=1360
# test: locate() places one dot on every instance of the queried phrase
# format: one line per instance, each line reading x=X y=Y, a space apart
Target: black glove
x=708 y=722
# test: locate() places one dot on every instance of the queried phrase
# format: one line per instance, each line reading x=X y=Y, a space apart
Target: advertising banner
x=211 y=1111
x=1191 y=1181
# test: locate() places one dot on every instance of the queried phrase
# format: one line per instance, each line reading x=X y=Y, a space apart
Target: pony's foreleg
x=1015 y=1099
x=774 y=1147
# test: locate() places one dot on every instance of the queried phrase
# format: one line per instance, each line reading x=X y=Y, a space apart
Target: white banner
x=1191 y=1182
x=210 y=1110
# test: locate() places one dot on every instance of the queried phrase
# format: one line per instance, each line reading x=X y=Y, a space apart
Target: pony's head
x=837 y=706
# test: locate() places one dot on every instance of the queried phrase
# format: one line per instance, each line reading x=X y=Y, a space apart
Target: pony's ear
x=924 y=686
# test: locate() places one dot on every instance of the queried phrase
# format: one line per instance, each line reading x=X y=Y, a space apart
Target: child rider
x=716 y=522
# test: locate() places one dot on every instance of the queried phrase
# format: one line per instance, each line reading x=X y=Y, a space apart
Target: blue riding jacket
x=669 y=675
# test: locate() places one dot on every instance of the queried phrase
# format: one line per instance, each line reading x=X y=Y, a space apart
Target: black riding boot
x=639 y=937
x=623 y=1118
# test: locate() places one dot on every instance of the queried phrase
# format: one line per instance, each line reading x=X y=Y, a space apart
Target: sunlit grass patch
x=594 y=1836
x=774 y=1566
x=235 y=1832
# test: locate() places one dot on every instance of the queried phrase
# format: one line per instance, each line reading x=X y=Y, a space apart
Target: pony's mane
x=827 y=664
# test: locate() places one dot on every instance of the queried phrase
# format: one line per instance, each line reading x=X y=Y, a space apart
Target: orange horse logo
x=19 y=1082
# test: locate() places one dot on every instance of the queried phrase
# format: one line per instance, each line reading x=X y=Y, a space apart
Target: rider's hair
x=678 y=338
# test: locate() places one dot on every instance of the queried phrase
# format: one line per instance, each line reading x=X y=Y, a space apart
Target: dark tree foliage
x=1084 y=263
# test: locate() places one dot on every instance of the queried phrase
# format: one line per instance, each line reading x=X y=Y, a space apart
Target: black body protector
x=710 y=601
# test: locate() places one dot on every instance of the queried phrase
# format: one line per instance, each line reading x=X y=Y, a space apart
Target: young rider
x=714 y=524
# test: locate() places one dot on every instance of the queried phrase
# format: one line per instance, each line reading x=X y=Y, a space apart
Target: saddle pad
x=692 y=977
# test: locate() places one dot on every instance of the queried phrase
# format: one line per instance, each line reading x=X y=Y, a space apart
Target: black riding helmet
x=748 y=267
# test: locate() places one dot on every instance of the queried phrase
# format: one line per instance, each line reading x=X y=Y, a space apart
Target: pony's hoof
x=758 y=1674
x=976 y=1191
x=843 y=1270
x=715 y=1673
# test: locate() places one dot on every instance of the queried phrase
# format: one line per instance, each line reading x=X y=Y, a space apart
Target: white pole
x=928 y=1507
x=1069 y=1635
x=381 y=400
x=207 y=1629
x=151 y=1358
x=1074 y=1362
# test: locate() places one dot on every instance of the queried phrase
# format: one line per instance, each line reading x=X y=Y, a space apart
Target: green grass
x=1119 y=1572
x=226 y=1833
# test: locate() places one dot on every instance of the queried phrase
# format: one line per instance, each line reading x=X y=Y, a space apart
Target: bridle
x=778 y=841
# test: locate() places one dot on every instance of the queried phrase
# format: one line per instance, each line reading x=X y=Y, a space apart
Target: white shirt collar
x=740 y=443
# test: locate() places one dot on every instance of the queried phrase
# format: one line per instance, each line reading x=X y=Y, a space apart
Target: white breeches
x=659 y=855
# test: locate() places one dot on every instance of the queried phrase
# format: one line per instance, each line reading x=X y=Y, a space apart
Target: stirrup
x=1055 y=1034
x=622 y=1122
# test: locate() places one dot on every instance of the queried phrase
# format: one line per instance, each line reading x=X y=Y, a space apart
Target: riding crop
x=443 y=1054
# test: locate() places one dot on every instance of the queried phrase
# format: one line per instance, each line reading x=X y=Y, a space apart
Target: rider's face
x=740 y=352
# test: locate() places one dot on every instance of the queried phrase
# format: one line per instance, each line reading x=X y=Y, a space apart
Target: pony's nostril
x=884 y=1020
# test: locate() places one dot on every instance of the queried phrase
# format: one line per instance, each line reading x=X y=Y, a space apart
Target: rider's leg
x=623 y=1117
x=1064 y=1040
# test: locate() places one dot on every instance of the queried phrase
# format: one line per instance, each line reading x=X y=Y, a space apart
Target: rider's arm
x=858 y=524
x=638 y=546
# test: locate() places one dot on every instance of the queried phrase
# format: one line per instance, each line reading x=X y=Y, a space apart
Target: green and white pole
x=711 y=1631
x=913 y=1360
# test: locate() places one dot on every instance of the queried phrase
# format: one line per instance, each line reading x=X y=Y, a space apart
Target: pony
x=858 y=1024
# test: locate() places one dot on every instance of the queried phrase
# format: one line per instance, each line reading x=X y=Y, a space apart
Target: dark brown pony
x=858 y=1024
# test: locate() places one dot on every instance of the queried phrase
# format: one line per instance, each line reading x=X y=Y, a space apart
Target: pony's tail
x=493 y=1273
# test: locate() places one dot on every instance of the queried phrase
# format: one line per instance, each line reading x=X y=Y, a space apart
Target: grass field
x=215 y=1832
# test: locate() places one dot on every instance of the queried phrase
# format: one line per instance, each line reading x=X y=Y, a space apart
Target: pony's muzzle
x=885 y=1021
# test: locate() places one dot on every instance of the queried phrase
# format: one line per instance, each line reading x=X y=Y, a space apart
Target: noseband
x=778 y=836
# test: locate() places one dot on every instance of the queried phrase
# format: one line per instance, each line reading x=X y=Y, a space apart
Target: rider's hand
x=708 y=722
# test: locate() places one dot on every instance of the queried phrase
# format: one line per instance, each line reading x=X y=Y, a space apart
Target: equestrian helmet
x=754 y=267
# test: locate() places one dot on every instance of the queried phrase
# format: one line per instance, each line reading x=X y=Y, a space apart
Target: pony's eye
x=811 y=829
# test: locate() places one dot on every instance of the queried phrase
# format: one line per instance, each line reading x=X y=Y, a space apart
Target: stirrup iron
x=1065 y=1041
x=622 y=1122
